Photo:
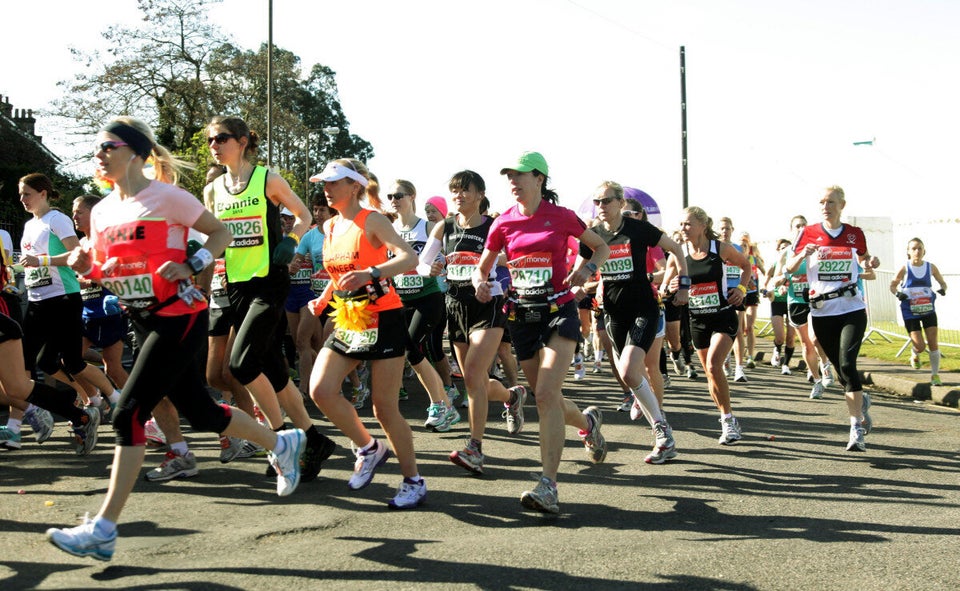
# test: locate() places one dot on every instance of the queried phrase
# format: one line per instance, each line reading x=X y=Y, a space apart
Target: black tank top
x=464 y=245
x=708 y=292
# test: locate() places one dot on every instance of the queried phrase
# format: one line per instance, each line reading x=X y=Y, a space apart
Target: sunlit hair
x=40 y=182
x=462 y=180
x=167 y=167
x=701 y=216
x=617 y=189
x=406 y=187
x=239 y=129
x=635 y=205
x=87 y=201
x=728 y=220
x=838 y=191
x=373 y=183
x=795 y=218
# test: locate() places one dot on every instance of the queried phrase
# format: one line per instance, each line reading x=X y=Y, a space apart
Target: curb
x=942 y=395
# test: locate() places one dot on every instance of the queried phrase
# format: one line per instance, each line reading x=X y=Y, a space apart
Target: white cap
x=285 y=211
x=335 y=172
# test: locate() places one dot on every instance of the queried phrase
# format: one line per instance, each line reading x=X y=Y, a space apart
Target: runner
x=832 y=251
x=914 y=288
x=368 y=325
x=713 y=318
x=632 y=312
x=541 y=313
x=137 y=249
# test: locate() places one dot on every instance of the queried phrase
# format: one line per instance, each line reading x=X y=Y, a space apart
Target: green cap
x=526 y=162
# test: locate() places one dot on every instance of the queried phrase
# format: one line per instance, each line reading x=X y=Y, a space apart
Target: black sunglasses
x=603 y=200
x=396 y=196
x=221 y=138
x=108 y=146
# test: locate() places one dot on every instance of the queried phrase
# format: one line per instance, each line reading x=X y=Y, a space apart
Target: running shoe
x=251 y=449
x=857 y=441
x=41 y=421
x=826 y=371
x=817 y=392
x=679 y=367
x=230 y=448
x=261 y=418
x=593 y=441
x=664 y=446
x=9 y=439
x=469 y=458
x=914 y=360
x=455 y=370
x=367 y=464
x=597 y=367
x=785 y=369
x=85 y=435
x=287 y=463
x=666 y=380
x=775 y=358
x=313 y=458
x=867 y=422
x=457 y=399
x=450 y=418
x=513 y=413
x=578 y=372
x=174 y=466
x=407 y=369
x=627 y=403
x=83 y=540
x=360 y=396
x=435 y=412
x=542 y=498
x=739 y=376
x=730 y=433
x=410 y=494
x=751 y=364
x=726 y=366
x=155 y=437
x=106 y=410
x=934 y=380
x=403 y=395
x=810 y=377
x=691 y=372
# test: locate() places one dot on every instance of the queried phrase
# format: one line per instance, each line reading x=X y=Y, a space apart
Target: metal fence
x=883 y=314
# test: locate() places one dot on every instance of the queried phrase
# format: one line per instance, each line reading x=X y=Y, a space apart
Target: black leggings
x=168 y=365
x=840 y=336
x=53 y=335
x=259 y=319
x=423 y=315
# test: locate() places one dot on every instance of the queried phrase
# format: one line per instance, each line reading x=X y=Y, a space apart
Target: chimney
x=6 y=109
x=25 y=120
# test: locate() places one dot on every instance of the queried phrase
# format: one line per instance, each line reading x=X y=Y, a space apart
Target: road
x=787 y=508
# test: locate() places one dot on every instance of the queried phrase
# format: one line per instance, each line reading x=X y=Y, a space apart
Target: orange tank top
x=347 y=249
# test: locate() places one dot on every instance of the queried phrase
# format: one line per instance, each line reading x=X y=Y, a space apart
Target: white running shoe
x=817 y=392
x=174 y=466
x=826 y=370
x=410 y=494
x=366 y=465
x=738 y=375
x=83 y=540
x=287 y=463
x=730 y=433
x=578 y=371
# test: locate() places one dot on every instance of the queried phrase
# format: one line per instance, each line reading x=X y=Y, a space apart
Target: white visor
x=335 y=172
x=286 y=211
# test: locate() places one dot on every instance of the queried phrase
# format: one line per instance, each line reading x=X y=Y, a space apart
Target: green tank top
x=247 y=216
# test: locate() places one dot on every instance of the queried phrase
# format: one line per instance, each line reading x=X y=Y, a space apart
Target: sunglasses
x=630 y=213
x=396 y=196
x=604 y=200
x=221 y=138
x=108 y=146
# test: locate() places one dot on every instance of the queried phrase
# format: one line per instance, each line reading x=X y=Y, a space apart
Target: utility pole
x=683 y=123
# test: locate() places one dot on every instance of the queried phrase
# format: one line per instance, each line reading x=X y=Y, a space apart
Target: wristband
x=43 y=260
x=684 y=281
x=295 y=238
x=591 y=266
x=200 y=260
x=742 y=289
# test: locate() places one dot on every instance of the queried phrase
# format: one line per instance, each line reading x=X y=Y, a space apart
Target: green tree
x=178 y=70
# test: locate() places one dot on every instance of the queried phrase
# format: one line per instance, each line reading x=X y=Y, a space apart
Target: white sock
x=104 y=527
x=935 y=362
x=113 y=398
x=648 y=402
x=854 y=421
x=180 y=448
x=370 y=445
x=13 y=425
x=96 y=400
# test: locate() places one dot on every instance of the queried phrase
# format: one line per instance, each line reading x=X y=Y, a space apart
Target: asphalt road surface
x=787 y=508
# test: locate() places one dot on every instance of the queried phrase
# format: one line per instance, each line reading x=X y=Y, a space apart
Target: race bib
x=531 y=272
x=408 y=283
x=834 y=264
x=704 y=298
x=319 y=281
x=93 y=292
x=36 y=277
x=246 y=231
x=619 y=265
x=303 y=274
x=461 y=265
x=131 y=281
x=357 y=341
x=921 y=300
